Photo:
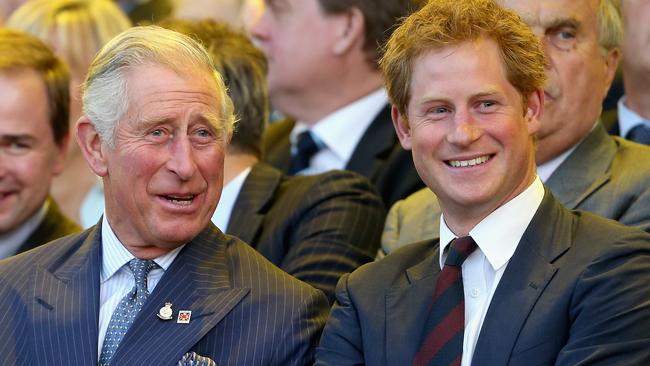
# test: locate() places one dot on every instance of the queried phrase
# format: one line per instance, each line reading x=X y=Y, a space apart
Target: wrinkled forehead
x=551 y=13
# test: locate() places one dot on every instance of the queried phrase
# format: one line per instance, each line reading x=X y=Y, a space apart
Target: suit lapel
x=407 y=308
x=198 y=281
x=374 y=147
x=252 y=203
x=529 y=271
x=585 y=170
x=67 y=304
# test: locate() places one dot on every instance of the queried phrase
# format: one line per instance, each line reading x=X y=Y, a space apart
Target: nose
x=258 y=28
x=463 y=131
x=181 y=158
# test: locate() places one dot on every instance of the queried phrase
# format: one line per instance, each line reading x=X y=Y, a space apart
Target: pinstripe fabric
x=605 y=175
x=316 y=228
x=245 y=311
x=378 y=156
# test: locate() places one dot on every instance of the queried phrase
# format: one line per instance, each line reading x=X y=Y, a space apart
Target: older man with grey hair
x=155 y=282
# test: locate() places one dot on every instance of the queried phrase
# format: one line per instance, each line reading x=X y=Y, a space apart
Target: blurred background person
x=238 y=13
x=323 y=75
x=633 y=118
x=75 y=30
x=34 y=136
x=316 y=227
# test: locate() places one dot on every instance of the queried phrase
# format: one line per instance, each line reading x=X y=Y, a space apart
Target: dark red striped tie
x=442 y=339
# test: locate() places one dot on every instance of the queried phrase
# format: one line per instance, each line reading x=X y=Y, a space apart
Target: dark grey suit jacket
x=378 y=156
x=245 y=311
x=316 y=227
x=606 y=175
x=575 y=292
x=54 y=226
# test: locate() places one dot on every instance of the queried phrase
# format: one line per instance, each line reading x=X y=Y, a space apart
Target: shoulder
x=277 y=131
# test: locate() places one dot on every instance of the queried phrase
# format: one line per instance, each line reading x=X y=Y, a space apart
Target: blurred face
x=472 y=143
x=29 y=157
x=164 y=176
x=578 y=73
x=297 y=38
x=636 y=45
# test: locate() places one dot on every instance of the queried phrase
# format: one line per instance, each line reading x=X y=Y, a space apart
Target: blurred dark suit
x=378 y=156
x=54 y=226
x=316 y=227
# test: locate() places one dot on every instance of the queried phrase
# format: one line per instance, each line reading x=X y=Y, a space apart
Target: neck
x=325 y=98
x=235 y=163
x=637 y=93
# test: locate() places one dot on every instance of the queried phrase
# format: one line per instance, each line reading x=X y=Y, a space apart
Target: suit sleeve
x=341 y=342
x=339 y=231
x=301 y=336
x=638 y=212
x=610 y=309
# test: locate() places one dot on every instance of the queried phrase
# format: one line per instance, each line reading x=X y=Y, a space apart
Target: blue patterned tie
x=127 y=309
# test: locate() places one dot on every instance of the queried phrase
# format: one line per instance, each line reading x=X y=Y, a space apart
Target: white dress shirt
x=339 y=133
x=497 y=237
x=12 y=241
x=116 y=279
x=229 y=194
x=627 y=118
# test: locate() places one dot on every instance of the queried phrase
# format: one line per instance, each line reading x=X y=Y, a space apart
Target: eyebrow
x=564 y=22
x=16 y=137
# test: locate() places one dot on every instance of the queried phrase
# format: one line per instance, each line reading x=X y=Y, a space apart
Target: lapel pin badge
x=166 y=312
x=184 y=316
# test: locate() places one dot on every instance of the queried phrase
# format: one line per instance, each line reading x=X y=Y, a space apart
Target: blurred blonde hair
x=74 y=29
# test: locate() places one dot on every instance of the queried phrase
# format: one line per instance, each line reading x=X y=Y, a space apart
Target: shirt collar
x=115 y=255
x=221 y=215
x=627 y=118
x=342 y=130
x=499 y=233
x=13 y=240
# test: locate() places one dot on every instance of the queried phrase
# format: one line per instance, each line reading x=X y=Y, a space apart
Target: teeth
x=471 y=162
x=180 y=200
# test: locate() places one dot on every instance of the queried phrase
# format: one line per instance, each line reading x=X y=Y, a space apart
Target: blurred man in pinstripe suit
x=156 y=123
x=314 y=227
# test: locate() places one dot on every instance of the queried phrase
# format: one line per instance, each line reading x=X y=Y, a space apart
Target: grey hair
x=610 y=24
x=104 y=93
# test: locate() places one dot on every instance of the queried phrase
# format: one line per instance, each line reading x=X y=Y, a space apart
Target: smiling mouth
x=469 y=163
x=180 y=200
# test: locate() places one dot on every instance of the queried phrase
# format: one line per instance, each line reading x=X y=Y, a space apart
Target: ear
x=534 y=111
x=91 y=146
x=349 y=31
x=402 y=128
x=611 y=61
x=61 y=155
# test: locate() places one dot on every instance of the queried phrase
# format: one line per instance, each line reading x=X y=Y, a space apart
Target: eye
x=486 y=105
x=563 y=38
x=16 y=147
x=158 y=132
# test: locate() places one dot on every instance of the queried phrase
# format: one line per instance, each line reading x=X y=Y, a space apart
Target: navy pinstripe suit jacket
x=245 y=311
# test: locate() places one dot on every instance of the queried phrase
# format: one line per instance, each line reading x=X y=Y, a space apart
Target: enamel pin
x=184 y=316
x=166 y=312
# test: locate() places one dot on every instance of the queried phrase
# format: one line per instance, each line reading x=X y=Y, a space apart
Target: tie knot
x=306 y=145
x=640 y=133
x=140 y=269
x=459 y=250
x=306 y=148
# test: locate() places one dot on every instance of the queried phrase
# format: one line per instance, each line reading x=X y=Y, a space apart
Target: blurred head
x=636 y=44
x=74 y=29
x=465 y=79
x=581 y=39
x=34 y=128
x=157 y=121
x=243 y=68
x=310 y=43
